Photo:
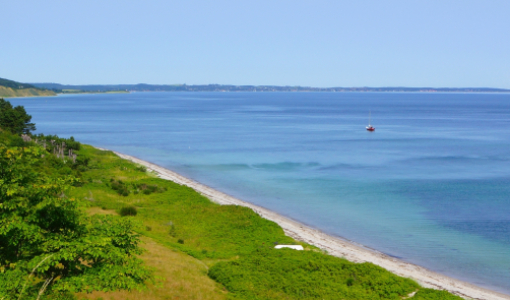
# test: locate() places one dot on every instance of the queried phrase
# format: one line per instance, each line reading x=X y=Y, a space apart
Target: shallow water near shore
x=431 y=185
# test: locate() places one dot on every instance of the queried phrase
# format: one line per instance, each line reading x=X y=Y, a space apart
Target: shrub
x=142 y=169
x=180 y=241
x=128 y=211
x=172 y=230
x=349 y=282
x=119 y=186
x=148 y=189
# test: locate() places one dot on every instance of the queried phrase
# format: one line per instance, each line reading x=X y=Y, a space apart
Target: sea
x=430 y=186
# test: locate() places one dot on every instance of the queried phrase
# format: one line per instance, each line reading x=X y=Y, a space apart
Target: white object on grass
x=295 y=247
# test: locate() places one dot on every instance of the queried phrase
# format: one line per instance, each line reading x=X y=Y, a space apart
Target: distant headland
x=9 y=88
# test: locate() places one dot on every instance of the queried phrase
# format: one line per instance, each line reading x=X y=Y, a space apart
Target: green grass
x=208 y=229
x=430 y=294
x=8 y=92
x=208 y=249
x=270 y=274
x=234 y=241
x=180 y=276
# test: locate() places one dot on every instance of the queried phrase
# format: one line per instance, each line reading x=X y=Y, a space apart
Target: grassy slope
x=10 y=88
x=187 y=235
x=179 y=275
x=8 y=92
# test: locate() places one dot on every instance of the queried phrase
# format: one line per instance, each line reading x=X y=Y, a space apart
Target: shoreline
x=333 y=245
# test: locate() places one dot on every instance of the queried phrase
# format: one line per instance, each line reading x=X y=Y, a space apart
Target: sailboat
x=370 y=127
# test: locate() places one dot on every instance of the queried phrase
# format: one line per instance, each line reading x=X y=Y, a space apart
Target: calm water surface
x=431 y=185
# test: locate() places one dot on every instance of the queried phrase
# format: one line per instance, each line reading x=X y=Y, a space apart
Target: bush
x=180 y=241
x=142 y=169
x=128 y=211
x=349 y=282
x=148 y=189
x=172 y=230
x=119 y=186
x=17 y=141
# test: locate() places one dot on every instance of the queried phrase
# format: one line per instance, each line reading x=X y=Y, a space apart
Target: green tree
x=15 y=119
x=48 y=246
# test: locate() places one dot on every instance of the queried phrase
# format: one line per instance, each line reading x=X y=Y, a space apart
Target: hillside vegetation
x=9 y=88
x=233 y=243
x=90 y=225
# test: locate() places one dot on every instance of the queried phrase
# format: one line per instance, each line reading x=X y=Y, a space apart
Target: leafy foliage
x=119 y=187
x=290 y=274
x=141 y=169
x=125 y=189
x=128 y=211
x=70 y=142
x=148 y=189
x=47 y=245
x=15 y=119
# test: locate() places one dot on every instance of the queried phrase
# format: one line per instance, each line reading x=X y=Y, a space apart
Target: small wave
x=454 y=158
x=285 y=166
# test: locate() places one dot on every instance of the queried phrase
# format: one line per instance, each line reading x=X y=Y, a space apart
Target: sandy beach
x=333 y=245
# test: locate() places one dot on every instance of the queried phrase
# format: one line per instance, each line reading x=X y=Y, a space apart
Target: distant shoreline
x=255 y=88
x=57 y=93
x=87 y=92
x=333 y=245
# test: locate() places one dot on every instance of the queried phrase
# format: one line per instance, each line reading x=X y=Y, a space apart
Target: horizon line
x=271 y=85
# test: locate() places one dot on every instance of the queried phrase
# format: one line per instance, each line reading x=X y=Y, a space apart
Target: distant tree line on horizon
x=14 y=84
x=142 y=87
x=247 y=88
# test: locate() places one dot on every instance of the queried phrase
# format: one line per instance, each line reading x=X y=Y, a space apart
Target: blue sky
x=308 y=43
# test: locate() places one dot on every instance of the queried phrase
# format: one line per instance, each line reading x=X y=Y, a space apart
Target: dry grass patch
x=180 y=277
x=99 y=211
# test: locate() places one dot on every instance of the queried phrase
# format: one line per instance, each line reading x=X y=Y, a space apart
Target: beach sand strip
x=333 y=245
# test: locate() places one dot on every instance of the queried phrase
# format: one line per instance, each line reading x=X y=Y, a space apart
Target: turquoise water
x=431 y=185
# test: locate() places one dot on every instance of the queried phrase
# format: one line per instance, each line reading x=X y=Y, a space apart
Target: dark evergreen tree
x=15 y=119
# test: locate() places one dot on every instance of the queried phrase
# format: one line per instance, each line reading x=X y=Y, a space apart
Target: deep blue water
x=431 y=185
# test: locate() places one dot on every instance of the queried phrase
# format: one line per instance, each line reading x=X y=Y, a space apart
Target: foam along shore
x=333 y=245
